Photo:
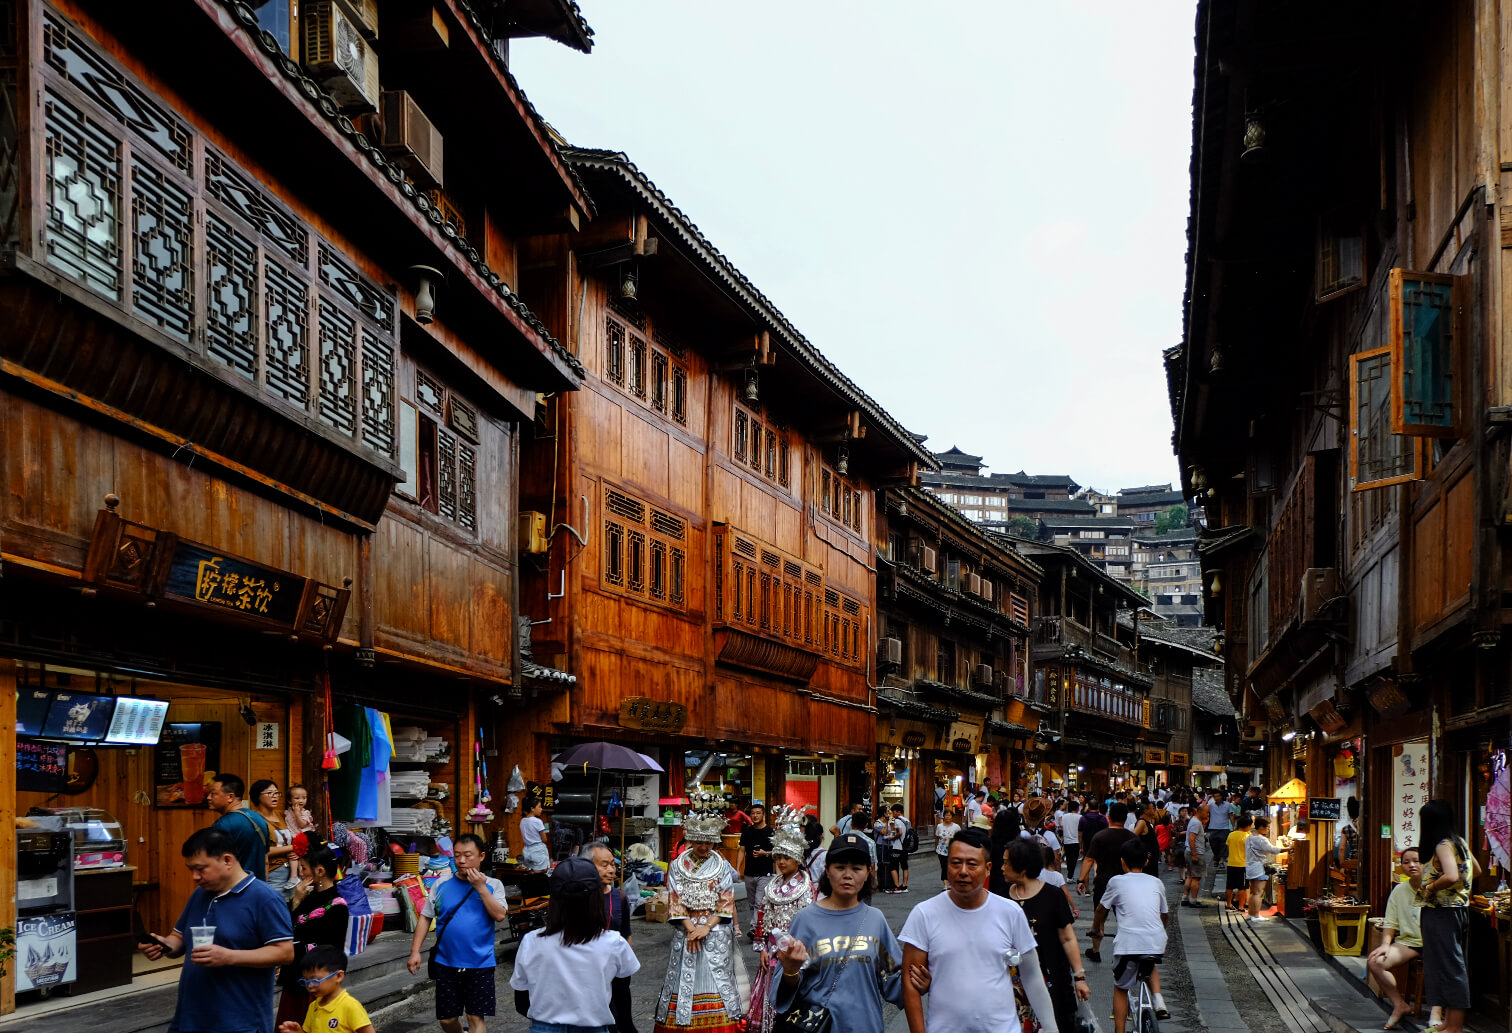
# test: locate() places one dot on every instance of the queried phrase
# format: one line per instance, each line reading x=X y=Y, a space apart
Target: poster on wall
x=45 y=951
x=41 y=767
x=184 y=760
x=1410 y=787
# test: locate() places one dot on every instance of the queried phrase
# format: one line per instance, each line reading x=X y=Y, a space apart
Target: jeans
x=1072 y=853
x=537 y=1026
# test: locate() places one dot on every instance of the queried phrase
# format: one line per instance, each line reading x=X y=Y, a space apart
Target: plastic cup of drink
x=192 y=768
x=202 y=935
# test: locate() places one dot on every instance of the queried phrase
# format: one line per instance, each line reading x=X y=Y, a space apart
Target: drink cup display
x=192 y=767
x=201 y=935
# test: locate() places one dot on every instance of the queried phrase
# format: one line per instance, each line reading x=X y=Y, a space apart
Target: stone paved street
x=1196 y=988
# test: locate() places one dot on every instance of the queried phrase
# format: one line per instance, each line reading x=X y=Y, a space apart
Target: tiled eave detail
x=914 y=708
x=938 y=688
x=238 y=21
x=1080 y=657
x=957 y=607
x=733 y=280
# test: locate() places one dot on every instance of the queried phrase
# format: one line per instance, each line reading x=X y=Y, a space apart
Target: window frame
x=1398 y=287
x=1415 y=444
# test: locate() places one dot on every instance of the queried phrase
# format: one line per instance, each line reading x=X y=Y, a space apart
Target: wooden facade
x=709 y=499
x=230 y=308
x=1340 y=397
x=956 y=607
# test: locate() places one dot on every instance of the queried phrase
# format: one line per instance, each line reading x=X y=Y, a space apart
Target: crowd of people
x=996 y=952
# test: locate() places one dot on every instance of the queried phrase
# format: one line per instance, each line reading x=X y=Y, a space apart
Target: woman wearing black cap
x=562 y=973
x=842 y=955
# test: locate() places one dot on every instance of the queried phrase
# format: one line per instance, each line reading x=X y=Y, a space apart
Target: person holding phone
x=240 y=931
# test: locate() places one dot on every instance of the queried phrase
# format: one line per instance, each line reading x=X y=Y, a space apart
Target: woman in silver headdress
x=787 y=892
x=701 y=990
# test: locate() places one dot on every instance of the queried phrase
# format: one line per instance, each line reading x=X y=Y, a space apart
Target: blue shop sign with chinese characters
x=200 y=575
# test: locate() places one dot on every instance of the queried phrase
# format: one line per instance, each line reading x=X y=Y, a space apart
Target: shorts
x=464 y=991
x=1236 y=880
x=900 y=860
x=1126 y=970
x=1196 y=866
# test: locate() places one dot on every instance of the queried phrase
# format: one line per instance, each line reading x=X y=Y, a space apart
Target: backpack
x=910 y=839
x=1044 y=845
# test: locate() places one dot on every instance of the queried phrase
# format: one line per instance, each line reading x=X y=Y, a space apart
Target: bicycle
x=1142 y=1017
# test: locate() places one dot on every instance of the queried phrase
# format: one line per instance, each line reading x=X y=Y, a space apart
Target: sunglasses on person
x=310 y=984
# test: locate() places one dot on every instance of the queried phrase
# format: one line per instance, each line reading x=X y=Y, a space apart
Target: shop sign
x=1410 y=782
x=136 y=558
x=1054 y=696
x=1386 y=698
x=646 y=714
x=913 y=739
x=1323 y=808
x=1180 y=760
x=267 y=736
x=1155 y=756
x=964 y=737
x=961 y=744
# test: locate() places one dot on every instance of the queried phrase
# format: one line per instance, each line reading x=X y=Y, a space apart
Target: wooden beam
x=8 y=827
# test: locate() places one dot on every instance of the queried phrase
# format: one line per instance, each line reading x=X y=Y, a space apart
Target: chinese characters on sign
x=1410 y=788
x=214 y=579
x=653 y=715
x=267 y=736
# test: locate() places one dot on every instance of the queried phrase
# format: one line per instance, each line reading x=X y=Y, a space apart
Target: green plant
x=7 y=947
x=1023 y=526
x=1172 y=519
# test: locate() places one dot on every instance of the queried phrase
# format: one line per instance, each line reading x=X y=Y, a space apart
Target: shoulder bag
x=432 y=966
x=815 y=1017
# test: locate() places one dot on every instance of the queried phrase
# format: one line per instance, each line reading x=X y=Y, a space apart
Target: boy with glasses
x=332 y=1009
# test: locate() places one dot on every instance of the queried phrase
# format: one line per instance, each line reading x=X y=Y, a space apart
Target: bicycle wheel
x=1147 y=1021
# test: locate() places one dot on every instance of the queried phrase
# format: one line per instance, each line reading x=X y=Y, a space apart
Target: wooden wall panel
x=685 y=477
x=596 y=422
x=1459 y=531
x=1427 y=566
x=490 y=632
x=399 y=592
x=643 y=454
x=447 y=592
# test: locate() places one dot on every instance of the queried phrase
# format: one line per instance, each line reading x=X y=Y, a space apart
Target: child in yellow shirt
x=1234 y=882
x=332 y=1009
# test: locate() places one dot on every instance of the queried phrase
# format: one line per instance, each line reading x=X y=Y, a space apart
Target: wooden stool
x=1348 y=919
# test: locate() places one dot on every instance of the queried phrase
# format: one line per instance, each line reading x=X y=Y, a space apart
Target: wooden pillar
x=8 y=827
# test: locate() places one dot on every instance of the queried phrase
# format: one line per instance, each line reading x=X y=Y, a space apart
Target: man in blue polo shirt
x=469 y=907
x=226 y=986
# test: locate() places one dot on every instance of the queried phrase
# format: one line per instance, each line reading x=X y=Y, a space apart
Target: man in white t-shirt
x=1198 y=856
x=965 y=938
x=1138 y=901
x=1070 y=826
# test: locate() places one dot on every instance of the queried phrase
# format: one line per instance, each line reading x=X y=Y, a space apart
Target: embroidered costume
x=701 y=989
x=780 y=902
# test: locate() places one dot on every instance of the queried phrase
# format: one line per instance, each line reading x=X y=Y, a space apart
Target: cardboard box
x=657 y=908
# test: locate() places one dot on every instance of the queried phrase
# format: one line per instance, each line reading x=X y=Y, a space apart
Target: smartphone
x=150 y=940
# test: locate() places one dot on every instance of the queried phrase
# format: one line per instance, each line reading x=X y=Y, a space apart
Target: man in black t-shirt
x=755 y=856
x=1103 y=852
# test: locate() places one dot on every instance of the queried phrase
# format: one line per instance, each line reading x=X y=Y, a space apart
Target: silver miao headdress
x=705 y=821
x=787 y=832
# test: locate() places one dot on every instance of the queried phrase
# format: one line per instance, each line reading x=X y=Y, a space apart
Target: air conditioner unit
x=338 y=57
x=1254 y=733
x=974 y=584
x=927 y=559
x=986 y=590
x=410 y=139
x=1320 y=586
x=982 y=675
x=365 y=14
x=890 y=651
x=533 y=538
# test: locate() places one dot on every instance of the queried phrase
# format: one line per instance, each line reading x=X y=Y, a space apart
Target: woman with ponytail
x=320 y=919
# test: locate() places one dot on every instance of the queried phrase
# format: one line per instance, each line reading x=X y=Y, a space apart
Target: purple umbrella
x=607 y=756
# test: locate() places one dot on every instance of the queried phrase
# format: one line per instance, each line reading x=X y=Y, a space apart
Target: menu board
x=41 y=767
x=1410 y=785
x=77 y=715
x=137 y=722
x=31 y=710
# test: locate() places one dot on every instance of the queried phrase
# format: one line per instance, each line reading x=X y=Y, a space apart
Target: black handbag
x=432 y=966
x=814 y=1017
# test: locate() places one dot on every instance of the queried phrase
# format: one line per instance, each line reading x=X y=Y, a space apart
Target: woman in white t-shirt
x=532 y=830
x=563 y=973
x=946 y=829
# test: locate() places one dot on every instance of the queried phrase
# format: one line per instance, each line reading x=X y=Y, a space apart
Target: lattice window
x=441 y=467
x=651 y=549
x=338 y=368
x=614 y=553
x=1377 y=457
x=162 y=223
x=467 y=487
x=244 y=197
x=636 y=356
x=659 y=382
x=429 y=392
x=446 y=474
x=680 y=395
x=364 y=295
x=614 y=355
x=377 y=393
x=83 y=198
x=742 y=435
x=1424 y=340
x=1018 y=608
x=286 y=316
x=231 y=320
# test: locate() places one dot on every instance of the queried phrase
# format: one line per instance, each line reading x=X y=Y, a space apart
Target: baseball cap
x=849 y=847
x=576 y=877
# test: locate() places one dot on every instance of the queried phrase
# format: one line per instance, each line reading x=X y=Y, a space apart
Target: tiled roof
x=1007 y=728
x=724 y=271
x=533 y=672
x=470 y=254
x=1070 y=506
x=956 y=455
x=1180 y=536
x=981 y=699
x=1087 y=521
x=1209 y=694
x=1154 y=498
x=1041 y=480
x=1145 y=489
x=1196 y=639
x=915 y=708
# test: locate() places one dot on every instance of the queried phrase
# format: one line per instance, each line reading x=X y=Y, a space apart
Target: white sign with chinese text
x=267 y=736
x=1410 y=790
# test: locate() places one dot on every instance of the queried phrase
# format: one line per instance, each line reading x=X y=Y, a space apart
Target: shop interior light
x=1289 y=735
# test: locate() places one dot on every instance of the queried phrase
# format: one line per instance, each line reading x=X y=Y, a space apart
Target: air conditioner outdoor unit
x=982 y=675
x=974 y=584
x=338 y=57
x=1254 y=733
x=365 y=14
x=1320 y=586
x=986 y=590
x=890 y=651
x=927 y=560
x=410 y=139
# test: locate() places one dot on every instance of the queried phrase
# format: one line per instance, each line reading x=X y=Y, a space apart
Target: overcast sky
x=977 y=210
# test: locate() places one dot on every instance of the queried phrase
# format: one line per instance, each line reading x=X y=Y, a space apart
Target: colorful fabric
x=701 y=989
x=1457 y=894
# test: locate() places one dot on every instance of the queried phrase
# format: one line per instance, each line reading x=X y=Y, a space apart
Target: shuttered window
x=645 y=550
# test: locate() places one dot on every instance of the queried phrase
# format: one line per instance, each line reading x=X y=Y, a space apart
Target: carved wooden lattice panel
x=83 y=198
x=377 y=393
x=338 y=368
x=287 y=316
x=446 y=470
x=367 y=297
x=467 y=487
x=231 y=315
x=240 y=194
x=162 y=225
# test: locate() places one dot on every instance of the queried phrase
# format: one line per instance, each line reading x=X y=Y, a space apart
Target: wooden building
x=264 y=366
x=707 y=515
x=1340 y=396
x=955 y=608
x=1179 y=658
x=1089 y=673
